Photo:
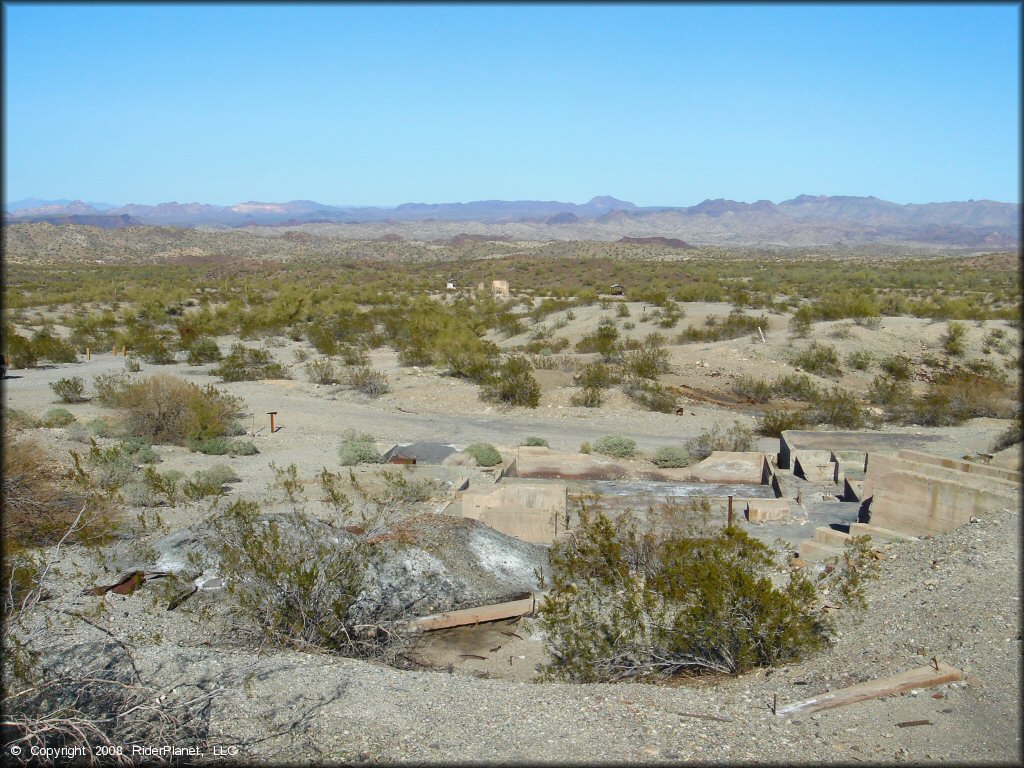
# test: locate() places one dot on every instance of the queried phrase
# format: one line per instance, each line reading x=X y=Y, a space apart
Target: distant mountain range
x=804 y=220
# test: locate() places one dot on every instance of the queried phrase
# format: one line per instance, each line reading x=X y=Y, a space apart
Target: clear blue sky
x=384 y=104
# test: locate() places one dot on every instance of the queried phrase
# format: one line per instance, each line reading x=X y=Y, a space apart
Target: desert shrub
x=820 y=359
x=114 y=466
x=367 y=381
x=38 y=508
x=625 y=603
x=222 y=446
x=167 y=409
x=756 y=389
x=671 y=456
x=996 y=340
x=588 y=397
x=622 y=310
x=585 y=447
x=248 y=364
x=957 y=395
x=647 y=362
x=110 y=387
x=838 y=408
x=953 y=339
x=218 y=474
x=57 y=417
x=298 y=581
x=485 y=454
x=357 y=448
x=321 y=371
x=69 y=390
x=140 y=451
x=840 y=331
x=801 y=322
x=1012 y=435
x=16 y=419
x=101 y=427
x=897 y=367
x=735 y=325
x=889 y=391
x=671 y=313
x=736 y=438
x=603 y=340
x=48 y=346
x=595 y=376
x=203 y=350
x=513 y=384
x=795 y=386
x=774 y=421
x=132 y=365
x=535 y=441
x=652 y=395
x=859 y=360
x=615 y=445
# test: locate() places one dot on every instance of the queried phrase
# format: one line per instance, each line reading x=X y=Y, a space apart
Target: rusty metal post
x=272 y=414
x=730 y=512
x=124 y=351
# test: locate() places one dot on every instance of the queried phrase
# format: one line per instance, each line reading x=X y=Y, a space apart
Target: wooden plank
x=922 y=677
x=464 y=616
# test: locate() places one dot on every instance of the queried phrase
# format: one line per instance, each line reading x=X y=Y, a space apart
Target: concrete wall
x=881 y=464
x=919 y=504
x=970 y=467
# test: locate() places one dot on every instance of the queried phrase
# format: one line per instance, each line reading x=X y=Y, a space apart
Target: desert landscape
x=446 y=421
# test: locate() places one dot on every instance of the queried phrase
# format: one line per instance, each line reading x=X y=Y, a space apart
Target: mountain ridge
x=802 y=220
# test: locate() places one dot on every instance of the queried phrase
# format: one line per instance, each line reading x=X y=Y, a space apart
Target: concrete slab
x=831 y=537
x=533 y=512
x=880 y=465
x=720 y=467
x=815 y=551
x=539 y=462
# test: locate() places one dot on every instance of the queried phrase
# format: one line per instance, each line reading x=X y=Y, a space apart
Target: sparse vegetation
x=485 y=454
x=357 y=448
x=616 y=446
x=69 y=390
x=734 y=438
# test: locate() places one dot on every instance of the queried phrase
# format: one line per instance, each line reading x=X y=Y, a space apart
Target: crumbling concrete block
x=767 y=510
x=542 y=462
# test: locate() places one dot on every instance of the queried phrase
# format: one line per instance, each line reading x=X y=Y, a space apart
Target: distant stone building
x=500 y=288
x=617 y=290
x=451 y=286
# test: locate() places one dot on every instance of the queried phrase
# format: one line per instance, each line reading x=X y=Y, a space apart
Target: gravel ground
x=955 y=597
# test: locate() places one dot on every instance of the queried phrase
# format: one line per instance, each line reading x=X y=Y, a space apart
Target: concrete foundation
x=794 y=440
x=719 y=467
x=767 y=510
x=531 y=512
x=545 y=463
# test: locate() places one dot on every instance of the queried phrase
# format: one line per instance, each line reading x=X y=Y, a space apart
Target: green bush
x=321 y=371
x=17 y=419
x=756 y=389
x=535 y=441
x=669 y=457
x=595 y=376
x=736 y=438
x=859 y=360
x=774 y=421
x=368 y=381
x=203 y=350
x=588 y=397
x=603 y=341
x=58 y=417
x=795 y=386
x=627 y=603
x=734 y=326
x=167 y=409
x=1012 y=435
x=357 y=448
x=298 y=581
x=513 y=384
x=485 y=454
x=69 y=390
x=248 y=364
x=897 y=367
x=652 y=395
x=953 y=339
x=648 y=362
x=957 y=395
x=838 y=408
x=801 y=322
x=820 y=359
x=616 y=446
x=222 y=446
x=889 y=391
x=111 y=387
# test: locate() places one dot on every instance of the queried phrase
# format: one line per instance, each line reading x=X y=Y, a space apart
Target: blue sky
x=384 y=104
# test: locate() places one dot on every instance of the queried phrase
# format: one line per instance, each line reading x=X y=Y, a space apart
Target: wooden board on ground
x=483 y=613
x=923 y=677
